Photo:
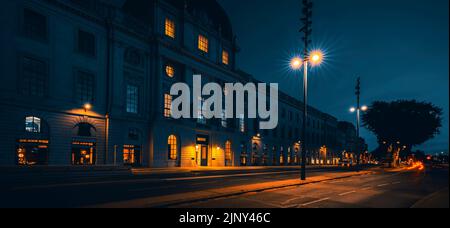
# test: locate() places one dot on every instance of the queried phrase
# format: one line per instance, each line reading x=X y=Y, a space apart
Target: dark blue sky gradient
x=400 y=48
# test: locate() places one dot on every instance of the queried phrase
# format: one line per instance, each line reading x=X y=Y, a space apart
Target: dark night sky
x=398 y=47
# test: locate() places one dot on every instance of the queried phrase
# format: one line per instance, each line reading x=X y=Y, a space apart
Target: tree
x=401 y=125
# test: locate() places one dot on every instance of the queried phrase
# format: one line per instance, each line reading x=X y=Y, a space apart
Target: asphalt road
x=49 y=190
x=427 y=189
x=83 y=189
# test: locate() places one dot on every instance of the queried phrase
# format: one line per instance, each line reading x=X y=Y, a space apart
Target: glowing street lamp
x=296 y=63
x=316 y=57
x=87 y=107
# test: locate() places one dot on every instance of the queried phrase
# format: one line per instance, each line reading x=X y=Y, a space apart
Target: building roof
x=208 y=11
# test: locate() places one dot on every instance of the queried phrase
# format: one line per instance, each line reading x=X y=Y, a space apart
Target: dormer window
x=203 y=43
x=170 y=29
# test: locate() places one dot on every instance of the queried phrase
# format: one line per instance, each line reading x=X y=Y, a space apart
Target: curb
x=211 y=194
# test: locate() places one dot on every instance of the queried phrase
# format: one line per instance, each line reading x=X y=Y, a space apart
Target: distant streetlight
x=358 y=109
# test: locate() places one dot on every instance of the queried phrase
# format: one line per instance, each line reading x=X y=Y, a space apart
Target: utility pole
x=307 y=31
x=358 y=118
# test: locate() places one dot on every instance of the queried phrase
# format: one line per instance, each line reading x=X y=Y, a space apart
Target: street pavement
x=92 y=189
x=401 y=189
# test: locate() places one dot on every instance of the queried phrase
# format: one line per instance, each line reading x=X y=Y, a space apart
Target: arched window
x=228 y=151
x=33 y=124
x=172 y=147
x=85 y=130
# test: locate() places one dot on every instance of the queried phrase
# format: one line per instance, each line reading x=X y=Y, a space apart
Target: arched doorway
x=84 y=145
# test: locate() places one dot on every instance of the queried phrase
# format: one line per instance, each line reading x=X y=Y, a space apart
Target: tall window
x=132 y=99
x=170 y=29
x=34 y=77
x=34 y=25
x=203 y=43
x=242 y=123
x=170 y=71
x=224 y=120
x=167 y=105
x=86 y=43
x=201 y=109
x=85 y=87
x=228 y=153
x=225 y=57
x=173 y=147
x=33 y=124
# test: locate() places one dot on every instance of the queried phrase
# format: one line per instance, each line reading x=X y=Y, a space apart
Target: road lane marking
x=367 y=188
x=382 y=185
x=398 y=182
x=314 y=202
x=347 y=193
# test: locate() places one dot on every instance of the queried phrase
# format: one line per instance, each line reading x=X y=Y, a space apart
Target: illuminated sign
x=33 y=141
x=203 y=140
x=83 y=143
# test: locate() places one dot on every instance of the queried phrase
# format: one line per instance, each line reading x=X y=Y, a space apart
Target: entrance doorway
x=132 y=155
x=203 y=145
x=83 y=153
x=204 y=155
x=32 y=152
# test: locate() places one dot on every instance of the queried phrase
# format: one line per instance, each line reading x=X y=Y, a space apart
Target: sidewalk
x=146 y=171
x=62 y=169
x=177 y=199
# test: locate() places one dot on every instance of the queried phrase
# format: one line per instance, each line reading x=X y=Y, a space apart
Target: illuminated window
x=172 y=147
x=203 y=43
x=228 y=151
x=225 y=57
x=33 y=124
x=167 y=105
x=132 y=99
x=170 y=28
x=129 y=155
x=170 y=71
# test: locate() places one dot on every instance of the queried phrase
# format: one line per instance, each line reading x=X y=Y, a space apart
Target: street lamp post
x=358 y=111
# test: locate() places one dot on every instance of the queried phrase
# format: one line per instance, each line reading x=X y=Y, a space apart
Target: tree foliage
x=410 y=123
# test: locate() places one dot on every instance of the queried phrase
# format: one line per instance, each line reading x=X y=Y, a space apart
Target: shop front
x=32 y=152
x=132 y=155
x=84 y=152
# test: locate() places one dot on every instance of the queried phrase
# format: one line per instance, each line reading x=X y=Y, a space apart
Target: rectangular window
x=34 y=77
x=170 y=29
x=85 y=87
x=242 y=123
x=34 y=25
x=132 y=99
x=224 y=120
x=86 y=43
x=167 y=105
x=225 y=57
x=201 y=109
x=203 y=43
